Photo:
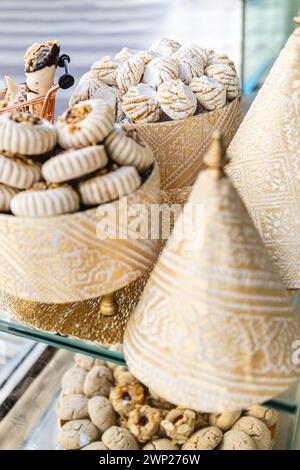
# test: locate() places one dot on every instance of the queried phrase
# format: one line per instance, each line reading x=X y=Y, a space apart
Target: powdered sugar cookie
x=140 y=104
x=176 y=99
x=86 y=123
x=126 y=53
x=130 y=73
x=73 y=164
x=86 y=90
x=159 y=70
x=165 y=47
x=225 y=75
x=125 y=148
x=18 y=171
x=106 y=70
x=210 y=93
x=45 y=200
x=190 y=67
x=25 y=134
x=191 y=51
x=109 y=187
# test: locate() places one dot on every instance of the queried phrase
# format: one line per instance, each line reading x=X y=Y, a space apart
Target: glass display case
x=252 y=32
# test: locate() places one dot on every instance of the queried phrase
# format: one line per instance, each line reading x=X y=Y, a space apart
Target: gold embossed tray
x=179 y=146
x=55 y=271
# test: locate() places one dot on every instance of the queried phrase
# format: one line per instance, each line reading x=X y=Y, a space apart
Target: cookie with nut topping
x=26 y=134
x=18 y=171
x=86 y=123
x=124 y=398
x=179 y=424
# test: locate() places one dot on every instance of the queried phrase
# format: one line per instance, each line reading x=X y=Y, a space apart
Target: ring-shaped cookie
x=73 y=164
x=25 y=134
x=86 y=123
x=125 y=150
x=45 y=202
x=19 y=172
x=109 y=187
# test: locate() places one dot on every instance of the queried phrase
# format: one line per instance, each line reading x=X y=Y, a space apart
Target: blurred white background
x=89 y=29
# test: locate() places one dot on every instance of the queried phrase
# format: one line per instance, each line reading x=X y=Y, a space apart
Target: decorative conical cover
x=214 y=328
x=265 y=161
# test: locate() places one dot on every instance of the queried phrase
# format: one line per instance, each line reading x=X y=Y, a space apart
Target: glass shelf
x=12 y=327
x=288 y=404
x=37 y=422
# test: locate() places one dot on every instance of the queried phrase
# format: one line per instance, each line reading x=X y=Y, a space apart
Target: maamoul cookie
x=98 y=445
x=130 y=73
x=161 y=444
x=86 y=123
x=45 y=200
x=101 y=413
x=116 y=438
x=98 y=381
x=143 y=422
x=125 y=148
x=18 y=172
x=269 y=416
x=237 y=440
x=76 y=434
x=210 y=93
x=86 y=362
x=6 y=194
x=110 y=186
x=159 y=70
x=225 y=75
x=221 y=59
x=73 y=164
x=86 y=89
x=225 y=420
x=25 y=134
x=176 y=99
x=106 y=69
x=72 y=407
x=124 y=398
x=141 y=105
x=189 y=68
x=179 y=424
x=72 y=381
x=122 y=376
x=257 y=430
x=165 y=47
x=205 y=439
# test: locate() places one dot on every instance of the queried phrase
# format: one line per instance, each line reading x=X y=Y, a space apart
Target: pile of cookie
x=103 y=407
x=83 y=161
x=169 y=81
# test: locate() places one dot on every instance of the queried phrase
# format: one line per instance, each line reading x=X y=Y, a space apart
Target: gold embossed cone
x=214 y=329
x=265 y=162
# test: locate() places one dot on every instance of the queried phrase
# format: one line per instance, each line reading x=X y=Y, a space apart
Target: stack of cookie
x=103 y=407
x=94 y=161
x=169 y=81
x=25 y=141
